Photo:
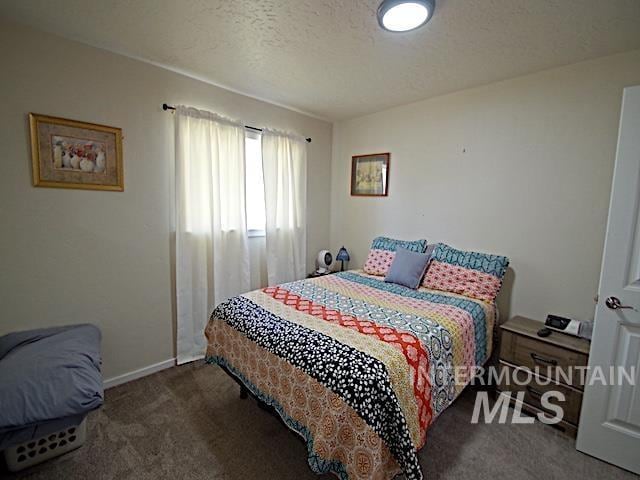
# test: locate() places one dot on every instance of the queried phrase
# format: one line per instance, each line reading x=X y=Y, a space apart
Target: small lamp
x=343 y=256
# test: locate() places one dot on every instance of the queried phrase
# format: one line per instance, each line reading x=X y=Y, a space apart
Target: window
x=254 y=184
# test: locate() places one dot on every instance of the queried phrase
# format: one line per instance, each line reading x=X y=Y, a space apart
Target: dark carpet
x=188 y=422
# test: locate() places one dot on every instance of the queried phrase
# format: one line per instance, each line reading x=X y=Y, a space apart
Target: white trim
x=139 y=373
x=181 y=360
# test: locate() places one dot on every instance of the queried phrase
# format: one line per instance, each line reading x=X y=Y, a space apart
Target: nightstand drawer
x=534 y=390
x=528 y=352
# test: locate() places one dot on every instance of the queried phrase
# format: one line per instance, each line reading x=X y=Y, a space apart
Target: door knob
x=614 y=304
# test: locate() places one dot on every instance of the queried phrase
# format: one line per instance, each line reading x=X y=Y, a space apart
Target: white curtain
x=284 y=161
x=212 y=253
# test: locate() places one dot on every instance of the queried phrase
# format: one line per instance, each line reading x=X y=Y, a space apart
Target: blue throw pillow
x=407 y=268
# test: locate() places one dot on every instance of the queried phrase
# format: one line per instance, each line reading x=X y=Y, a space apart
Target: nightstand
x=316 y=274
x=520 y=346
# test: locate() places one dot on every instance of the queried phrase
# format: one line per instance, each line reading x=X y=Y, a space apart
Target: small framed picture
x=71 y=154
x=370 y=175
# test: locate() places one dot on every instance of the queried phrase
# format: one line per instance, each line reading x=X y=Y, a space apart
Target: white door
x=610 y=418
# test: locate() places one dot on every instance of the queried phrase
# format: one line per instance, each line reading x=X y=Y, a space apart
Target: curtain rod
x=169 y=107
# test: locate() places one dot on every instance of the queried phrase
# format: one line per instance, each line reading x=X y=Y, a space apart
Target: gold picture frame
x=72 y=154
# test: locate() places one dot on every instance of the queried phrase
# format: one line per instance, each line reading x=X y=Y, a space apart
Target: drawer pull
x=534 y=392
x=547 y=361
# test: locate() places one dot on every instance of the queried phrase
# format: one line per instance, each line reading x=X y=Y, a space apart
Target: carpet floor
x=188 y=422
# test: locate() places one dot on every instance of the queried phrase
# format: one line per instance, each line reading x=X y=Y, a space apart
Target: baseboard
x=141 y=372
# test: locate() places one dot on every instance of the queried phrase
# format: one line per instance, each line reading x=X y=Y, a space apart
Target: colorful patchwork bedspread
x=358 y=367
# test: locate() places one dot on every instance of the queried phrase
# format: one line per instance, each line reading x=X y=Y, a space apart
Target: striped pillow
x=383 y=251
x=473 y=274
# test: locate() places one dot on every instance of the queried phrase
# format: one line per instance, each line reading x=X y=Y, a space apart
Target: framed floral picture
x=72 y=154
x=370 y=175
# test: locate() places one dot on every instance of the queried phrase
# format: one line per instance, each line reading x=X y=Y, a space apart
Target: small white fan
x=325 y=259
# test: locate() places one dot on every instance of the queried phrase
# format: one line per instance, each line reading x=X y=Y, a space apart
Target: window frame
x=249 y=133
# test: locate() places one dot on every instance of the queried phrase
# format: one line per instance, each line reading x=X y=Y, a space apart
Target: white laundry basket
x=40 y=449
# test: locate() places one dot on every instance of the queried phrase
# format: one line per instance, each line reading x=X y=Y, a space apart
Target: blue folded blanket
x=48 y=374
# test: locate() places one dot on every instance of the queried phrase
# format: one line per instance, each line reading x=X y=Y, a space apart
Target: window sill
x=256 y=233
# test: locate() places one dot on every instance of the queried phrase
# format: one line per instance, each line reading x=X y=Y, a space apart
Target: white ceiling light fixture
x=405 y=15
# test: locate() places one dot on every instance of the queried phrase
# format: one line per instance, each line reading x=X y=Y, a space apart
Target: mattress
x=358 y=367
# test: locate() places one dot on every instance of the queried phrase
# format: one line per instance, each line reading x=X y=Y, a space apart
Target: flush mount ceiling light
x=404 y=15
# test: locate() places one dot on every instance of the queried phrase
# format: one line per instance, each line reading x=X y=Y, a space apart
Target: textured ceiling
x=329 y=57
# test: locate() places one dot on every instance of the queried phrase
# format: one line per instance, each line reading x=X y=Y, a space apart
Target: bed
x=358 y=367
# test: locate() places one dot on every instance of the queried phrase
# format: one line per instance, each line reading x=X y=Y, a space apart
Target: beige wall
x=84 y=256
x=521 y=167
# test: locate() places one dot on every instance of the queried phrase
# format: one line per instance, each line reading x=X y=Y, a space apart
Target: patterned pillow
x=473 y=274
x=383 y=251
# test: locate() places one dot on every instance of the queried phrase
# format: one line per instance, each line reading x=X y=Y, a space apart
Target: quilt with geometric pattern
x=358 y=367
